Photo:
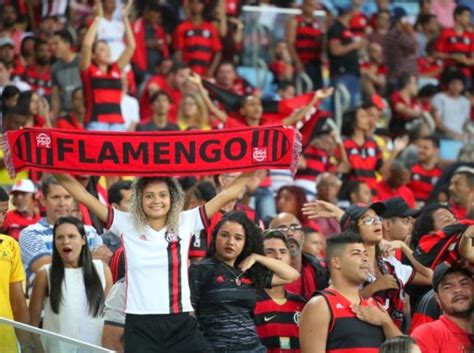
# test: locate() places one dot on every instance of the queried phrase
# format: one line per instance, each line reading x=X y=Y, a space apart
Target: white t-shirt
x=112 y=32
x=404 y=273
x=54 y=8
x=454 y=111
x=157 y=263
x=21 y=85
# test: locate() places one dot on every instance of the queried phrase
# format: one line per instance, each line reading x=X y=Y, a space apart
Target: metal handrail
x=279 y=10
x=36 y=330
x=303 y=80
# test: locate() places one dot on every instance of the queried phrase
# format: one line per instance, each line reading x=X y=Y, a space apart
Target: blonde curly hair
x=176 y=198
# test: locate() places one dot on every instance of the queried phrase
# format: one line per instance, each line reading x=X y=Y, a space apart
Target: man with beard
x=313 y=273
x=8 y=28
x=451 y=333
x=461 y=188
x=38 y=74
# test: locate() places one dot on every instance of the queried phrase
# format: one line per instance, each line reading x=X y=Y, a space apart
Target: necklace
x=237 y=279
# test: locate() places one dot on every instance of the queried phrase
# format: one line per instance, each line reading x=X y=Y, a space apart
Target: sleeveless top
x=346 y=332
x=74 y=319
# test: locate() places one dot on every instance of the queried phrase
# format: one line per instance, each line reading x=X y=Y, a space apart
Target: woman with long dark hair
x=156 y=236
x=71 y=289
x=224 y=285
x=36 y=108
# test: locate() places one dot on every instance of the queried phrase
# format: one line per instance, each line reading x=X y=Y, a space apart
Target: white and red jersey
x=157 y=262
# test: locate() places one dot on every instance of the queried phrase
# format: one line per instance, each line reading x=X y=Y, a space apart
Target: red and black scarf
x=152 y=153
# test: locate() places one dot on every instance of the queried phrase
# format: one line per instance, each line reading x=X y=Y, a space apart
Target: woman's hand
x=248 y=262
x=388 y=247
x=400 y=143
x=321 y=209
x=196 y=79
x=98 y=9
x=255 y=182
x=385 y=282
x=126 y=9
x=324 y=93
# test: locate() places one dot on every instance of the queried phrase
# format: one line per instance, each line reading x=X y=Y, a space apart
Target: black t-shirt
x=151 y=126
x=348 y=63
x=224 y=308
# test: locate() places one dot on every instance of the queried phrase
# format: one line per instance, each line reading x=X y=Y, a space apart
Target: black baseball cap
x=354 y=212
x=397 y=207
x=444 y=269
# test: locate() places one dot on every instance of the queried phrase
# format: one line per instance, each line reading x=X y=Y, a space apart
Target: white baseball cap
x=24 y=185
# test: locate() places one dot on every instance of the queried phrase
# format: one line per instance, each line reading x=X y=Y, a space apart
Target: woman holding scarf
x=156 y=235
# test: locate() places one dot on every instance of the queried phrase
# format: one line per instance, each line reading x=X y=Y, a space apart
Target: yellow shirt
x=11 y=271
x=5 y=178
x=184 y=126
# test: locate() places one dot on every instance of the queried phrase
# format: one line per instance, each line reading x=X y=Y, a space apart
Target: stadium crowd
x=369 y=247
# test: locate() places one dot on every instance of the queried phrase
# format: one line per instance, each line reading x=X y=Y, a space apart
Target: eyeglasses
x=368 y=221
x=292 y=227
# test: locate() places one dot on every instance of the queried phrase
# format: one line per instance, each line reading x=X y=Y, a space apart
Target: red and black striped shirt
x=394 y=300
x=365 y=160
x=277 y=325
x=346 y=332
x=451 y=42
x=317 y=162
x=104 y=90
x=198 y=44
x=39 y=80
x=442 y=245
x=308 y=39
x=422 y=181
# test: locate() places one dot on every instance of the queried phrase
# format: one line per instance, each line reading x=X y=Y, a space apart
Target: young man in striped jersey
x=277 y=313
x=426 y=172
x=338 y=319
